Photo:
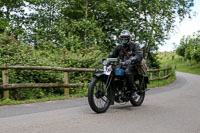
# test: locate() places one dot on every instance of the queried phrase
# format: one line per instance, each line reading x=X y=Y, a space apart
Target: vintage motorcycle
x=110 y=85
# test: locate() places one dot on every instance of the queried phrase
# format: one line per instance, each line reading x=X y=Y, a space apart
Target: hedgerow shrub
x=13 y=52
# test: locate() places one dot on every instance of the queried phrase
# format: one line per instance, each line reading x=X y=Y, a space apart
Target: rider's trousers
x=129 y=73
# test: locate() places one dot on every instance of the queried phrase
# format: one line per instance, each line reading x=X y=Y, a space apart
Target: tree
x=158 y=19
x=190 y=47
x=43 y=14
x=195 y=51
x=87 y=23
x=184 y=44
x=12 y=16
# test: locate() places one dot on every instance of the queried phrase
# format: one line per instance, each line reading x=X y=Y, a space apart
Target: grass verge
x=173 y=60
x=52 y=98
x=159 y=83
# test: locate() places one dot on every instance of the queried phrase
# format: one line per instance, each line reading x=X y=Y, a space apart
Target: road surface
x=174 y=108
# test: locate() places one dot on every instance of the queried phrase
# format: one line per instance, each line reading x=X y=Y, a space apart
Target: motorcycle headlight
x=105 y=62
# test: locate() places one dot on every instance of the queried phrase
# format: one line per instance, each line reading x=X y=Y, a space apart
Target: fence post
x=170 y=70
x=151 y=76
x=66 y=81
x=5 y=81
x=167 y=71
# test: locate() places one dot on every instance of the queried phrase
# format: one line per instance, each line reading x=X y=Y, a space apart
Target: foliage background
x=14 y=52
x=78 y=33
x=189 y=48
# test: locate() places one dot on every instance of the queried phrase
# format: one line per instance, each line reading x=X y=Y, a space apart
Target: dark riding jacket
x=132 y=48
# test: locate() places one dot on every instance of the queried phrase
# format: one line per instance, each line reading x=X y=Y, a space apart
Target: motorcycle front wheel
x=98 y=96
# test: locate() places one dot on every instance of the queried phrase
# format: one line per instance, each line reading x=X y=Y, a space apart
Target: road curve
x=174 y=108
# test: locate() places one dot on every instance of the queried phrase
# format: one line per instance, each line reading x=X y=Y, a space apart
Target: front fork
x=109 y=89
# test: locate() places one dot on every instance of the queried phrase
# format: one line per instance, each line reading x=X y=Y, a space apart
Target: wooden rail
x=167 y=73
x=6 y=86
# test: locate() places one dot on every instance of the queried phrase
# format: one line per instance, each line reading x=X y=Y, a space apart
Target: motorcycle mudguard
x=98 y=75
x=146 y=79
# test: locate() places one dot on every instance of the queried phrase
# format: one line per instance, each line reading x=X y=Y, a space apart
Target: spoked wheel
x=138 y=99
x=98 y=96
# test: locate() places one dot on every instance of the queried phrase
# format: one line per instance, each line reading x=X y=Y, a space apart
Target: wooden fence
x=6 y=86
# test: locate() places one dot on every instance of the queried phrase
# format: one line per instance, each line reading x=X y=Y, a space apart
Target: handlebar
x=112 y=61
x=122 y=63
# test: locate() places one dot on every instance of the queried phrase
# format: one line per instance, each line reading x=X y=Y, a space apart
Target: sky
x=186 y=27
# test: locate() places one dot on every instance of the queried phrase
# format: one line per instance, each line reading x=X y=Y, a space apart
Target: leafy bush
x=190 y=47
x=153 y=61
x=180 y=51
x=13 y=52
x=196 y=54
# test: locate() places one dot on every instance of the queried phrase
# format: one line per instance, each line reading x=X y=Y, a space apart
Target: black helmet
x=125 y=37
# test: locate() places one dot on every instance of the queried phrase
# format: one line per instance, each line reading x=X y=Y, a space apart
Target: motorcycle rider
x=128 y=52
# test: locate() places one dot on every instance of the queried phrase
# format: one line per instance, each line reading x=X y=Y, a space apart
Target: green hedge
x=13 y=52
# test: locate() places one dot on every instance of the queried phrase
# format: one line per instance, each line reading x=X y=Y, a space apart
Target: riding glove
x=130 y=60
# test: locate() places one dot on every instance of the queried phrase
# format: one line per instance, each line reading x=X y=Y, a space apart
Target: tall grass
x=173 y=60
x=163 y=82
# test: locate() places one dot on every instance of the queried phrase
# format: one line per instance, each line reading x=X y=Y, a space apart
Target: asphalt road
x=171 y=109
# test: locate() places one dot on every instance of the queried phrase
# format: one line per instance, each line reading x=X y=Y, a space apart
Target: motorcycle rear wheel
x=140 y=95
x=97 y=96
x=139 y=100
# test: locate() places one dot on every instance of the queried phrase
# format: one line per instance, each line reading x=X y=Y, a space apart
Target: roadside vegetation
x=186 y=58
x=77 y=33
x=178 y=63
x=82 y=93
x=163 y=82
x=14 y=52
